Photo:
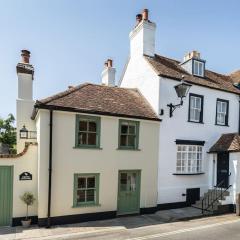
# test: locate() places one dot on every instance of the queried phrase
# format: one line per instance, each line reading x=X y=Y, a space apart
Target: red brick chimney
x=25 y=56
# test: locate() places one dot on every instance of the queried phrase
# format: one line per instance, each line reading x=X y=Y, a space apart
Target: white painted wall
x=140 y=75
x=142 y=39
x=159 y=92
x=171 y=187
x=234 y=179
x=107 y=161
x=108 y=76
x=26 y=163
x=24 y=107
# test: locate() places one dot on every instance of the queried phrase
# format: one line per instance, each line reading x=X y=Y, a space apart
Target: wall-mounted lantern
x=24 y=132
x=182 y=91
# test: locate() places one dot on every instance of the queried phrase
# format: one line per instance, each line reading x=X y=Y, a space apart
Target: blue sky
x=71 y=39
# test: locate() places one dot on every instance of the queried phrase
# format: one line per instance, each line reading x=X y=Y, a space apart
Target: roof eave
x=69 y=109
x=198 y=84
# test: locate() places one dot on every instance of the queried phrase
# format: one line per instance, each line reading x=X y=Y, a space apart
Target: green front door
x=128 y=192
x=6 y=189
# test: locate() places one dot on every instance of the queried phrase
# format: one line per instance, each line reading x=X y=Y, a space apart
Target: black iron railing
x=217 y=193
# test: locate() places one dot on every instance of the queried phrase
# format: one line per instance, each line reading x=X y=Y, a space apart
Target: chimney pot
x=108 y=74
x=138 y=18
x=109 y=63
x=25 y=56
x=145 y=14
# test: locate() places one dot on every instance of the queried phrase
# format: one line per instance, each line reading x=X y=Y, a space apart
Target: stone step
x=218 y=192
x=215 y=206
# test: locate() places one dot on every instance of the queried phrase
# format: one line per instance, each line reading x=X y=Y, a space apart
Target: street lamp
x=24 y=132
x=182 y=91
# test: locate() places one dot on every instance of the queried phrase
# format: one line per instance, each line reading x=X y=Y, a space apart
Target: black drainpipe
x=50 y=171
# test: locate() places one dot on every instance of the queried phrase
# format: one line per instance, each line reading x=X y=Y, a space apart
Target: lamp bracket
x=173 y=107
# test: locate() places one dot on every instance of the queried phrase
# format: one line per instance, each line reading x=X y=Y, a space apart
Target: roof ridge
x=175 y=60
x=63 y=93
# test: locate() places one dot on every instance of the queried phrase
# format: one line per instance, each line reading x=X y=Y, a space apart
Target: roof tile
x=100 y=99
x=171 y=68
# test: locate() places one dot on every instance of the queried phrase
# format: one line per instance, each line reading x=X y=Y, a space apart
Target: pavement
x=167 y=223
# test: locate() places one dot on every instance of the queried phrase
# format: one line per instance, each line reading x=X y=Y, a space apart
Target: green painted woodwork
x=129 y=191
x=136 y=134
x=76 y=188
x=87 y=118
x=6 y=195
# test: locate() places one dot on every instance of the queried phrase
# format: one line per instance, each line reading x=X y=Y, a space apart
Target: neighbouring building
x=167 y=135
x=199 y=135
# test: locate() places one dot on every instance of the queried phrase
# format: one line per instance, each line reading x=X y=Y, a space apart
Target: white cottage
x=188 y=167
x=87 y=153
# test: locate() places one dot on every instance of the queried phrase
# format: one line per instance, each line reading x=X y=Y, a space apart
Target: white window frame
x=189 y=159
x=198 y=68
x=194 y=109
x=221 y=112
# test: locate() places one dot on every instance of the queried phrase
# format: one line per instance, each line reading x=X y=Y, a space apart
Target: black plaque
x=25 y=176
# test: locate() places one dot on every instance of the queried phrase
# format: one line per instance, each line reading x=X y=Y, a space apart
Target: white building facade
x=84 y=153
x=186 y=169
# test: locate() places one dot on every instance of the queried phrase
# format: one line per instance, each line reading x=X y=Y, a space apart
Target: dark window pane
x=131 y=141
x=90 y=195
x=123 y=140
x=124 y=128
x=92 y=138
x=83 y=125
x=132 y=129
x=91 y=182
x=81 y=182
x=81 y=196
x=82 y=139
x=92 y=126
x=123 y=182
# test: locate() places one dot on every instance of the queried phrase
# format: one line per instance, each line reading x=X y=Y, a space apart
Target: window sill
x=195 y=122
x=87 y=205
x=86 y=147
x=129 y=149
x=221 y=125
x=189 y=174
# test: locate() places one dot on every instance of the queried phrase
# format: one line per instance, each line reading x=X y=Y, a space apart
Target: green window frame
x=86 y=189
x=128 y=134
x=87 y=133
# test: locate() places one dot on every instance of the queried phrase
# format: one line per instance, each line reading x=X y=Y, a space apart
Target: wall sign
x=25 y=176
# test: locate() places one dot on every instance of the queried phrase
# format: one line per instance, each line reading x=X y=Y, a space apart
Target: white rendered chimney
x=142 y=37
x=24 y=103
x=108 y=74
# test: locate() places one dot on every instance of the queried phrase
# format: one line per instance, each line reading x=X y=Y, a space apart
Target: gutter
x=50 y=170
x=70 y=109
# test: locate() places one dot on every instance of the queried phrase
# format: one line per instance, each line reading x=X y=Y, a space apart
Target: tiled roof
x=170 y=68
x=229 y=142
x=103 y=100
x=236 y=76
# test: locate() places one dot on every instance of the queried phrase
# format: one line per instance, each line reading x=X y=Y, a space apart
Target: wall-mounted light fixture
x=24 y=132
x=182 y=91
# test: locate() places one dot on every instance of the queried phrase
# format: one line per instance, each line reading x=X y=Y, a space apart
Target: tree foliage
x=8 y=131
